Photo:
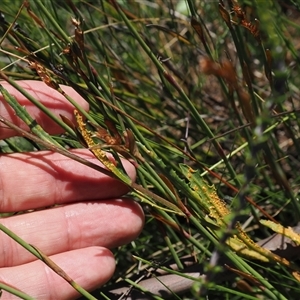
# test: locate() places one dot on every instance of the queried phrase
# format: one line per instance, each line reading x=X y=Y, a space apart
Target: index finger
x=44 y=178
x=51 y=98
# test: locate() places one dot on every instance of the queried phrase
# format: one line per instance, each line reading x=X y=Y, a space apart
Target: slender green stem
x=40 y=256
x=38 y=104
x=49 y=17
x=15 y=292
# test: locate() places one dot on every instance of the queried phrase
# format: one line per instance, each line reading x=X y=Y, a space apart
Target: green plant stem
x=24 y=115
x=21 y=111
x=38 y=255
x=239 y=262
x=46 y=12
x=15 y=292
x=199 y=120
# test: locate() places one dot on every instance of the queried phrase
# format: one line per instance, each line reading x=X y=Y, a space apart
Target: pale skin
x=77 y=235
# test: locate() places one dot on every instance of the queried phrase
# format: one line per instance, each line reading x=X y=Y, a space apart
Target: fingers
x=48 y=96
x=109 y=223
x=39 y=179
x=89 y=267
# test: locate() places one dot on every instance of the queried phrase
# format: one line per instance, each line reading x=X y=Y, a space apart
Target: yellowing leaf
x=206 y=195
x=286 y=231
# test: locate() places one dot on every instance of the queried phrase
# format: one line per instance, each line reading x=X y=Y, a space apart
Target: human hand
x=77 y=234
